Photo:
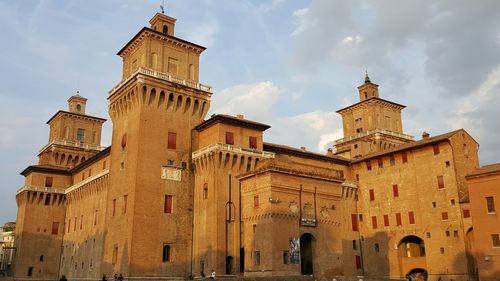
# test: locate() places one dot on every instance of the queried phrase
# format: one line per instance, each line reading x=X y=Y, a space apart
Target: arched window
x=165 y=29
x=78 y=108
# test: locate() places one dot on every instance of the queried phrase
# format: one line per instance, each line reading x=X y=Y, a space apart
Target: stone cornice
x=148 y=32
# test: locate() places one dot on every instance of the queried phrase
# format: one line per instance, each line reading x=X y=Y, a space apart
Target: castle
x=177 y=195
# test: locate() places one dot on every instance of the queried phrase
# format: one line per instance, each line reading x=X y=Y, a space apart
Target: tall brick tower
x=154 y=110
x=371 y=125
x=74 y=137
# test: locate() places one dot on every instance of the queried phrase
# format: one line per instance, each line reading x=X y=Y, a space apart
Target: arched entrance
x=411 y=246
x=306 y=254
x=418 y=274
x=411 y=254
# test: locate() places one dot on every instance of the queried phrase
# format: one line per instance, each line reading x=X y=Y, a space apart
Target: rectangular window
x=398 y=219
x=205 y=191
x=95 y=217
x=74 y=225
x=435 y=148
x=380 y=162
x=30 y=271
x=386 y=220
x=358 y=262
x=124 y=141
x=115 y=254
x=257 y=258
x=466 y=213
x=447 y=233
x=256 y=201
x=166 y=253
x=252 y=141
x=69 y=226
x=440 y=181
x=125 y=197
x=428 y=234
x=48 y=181
x=495 y=239
x=81 y=222
x=372 y=195
x=395 y=190
x=167 y=208
x=354 y=221
x=368 y=165
x=444 y=216
x=172 y=140
x=490 y=204
x=286 y=257
x=229 y=138
x=441 y=250
x=114 y=207
x=374 y=222
x=55 y=228
x=354 y=245
x=455 y=233
x=404 y=157
x=392 y=160
x=411 y=217
x=80 y=134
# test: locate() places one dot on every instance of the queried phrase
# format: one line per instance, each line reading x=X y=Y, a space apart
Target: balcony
x=163 y=76
x=40 y=189
x=232 y=149
x=376 y=133
x=308 y=222
x=73 y=144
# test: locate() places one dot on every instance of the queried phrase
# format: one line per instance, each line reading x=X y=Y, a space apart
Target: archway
x=306 y=254
x=418 y=274
x=411 y=246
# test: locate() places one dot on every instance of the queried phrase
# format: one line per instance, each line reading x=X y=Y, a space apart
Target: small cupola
x=163 y=23
x=368 y=89
x=77 y=103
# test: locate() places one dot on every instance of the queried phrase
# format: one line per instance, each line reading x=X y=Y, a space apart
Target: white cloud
x=267 y=7
x=304 y=21
x=255 y=101
x=355 y=40
x=316 y=130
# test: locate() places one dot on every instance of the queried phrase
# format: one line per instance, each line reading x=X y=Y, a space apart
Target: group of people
x=115 y=278
x=212 y=275
x=119 y=277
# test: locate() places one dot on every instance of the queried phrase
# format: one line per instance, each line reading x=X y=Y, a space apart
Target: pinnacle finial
x=367 y=78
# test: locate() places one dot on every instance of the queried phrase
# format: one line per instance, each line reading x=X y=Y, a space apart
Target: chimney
x=329 y=152
x=240 y=116
x=425 y=135
x=303 y=148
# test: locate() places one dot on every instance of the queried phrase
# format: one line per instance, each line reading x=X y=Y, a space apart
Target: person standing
x=120 y=278
x=63 y=278
x=212 y=275
x=104 y=278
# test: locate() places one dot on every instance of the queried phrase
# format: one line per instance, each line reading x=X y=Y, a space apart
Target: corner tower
x=154 y=110
x=371 y=125
x=74 y=136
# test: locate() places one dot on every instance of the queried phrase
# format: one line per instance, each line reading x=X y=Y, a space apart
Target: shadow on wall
x=381 y=257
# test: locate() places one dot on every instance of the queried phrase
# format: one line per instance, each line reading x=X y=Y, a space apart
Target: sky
x=289 y=64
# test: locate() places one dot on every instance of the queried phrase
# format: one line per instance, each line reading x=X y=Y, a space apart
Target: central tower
x=154 y=109
x=371 y=125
